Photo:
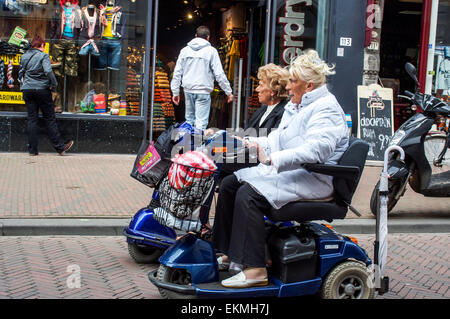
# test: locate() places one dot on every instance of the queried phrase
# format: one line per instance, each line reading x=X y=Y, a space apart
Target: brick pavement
x=92 y=185
x=37 y=268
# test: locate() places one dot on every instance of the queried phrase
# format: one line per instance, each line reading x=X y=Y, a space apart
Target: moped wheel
x=144 y=254
x=393 y=188
x=174 y=276
x=348 y=280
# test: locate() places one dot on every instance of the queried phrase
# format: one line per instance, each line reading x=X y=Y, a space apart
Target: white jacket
x=314 y=131
x=197 y=66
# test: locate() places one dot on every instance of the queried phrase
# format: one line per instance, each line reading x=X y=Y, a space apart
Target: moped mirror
x=411 y=70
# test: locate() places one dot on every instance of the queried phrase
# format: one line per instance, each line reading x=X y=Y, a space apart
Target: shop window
x=441 y=77
x=300 y=25
x=96 y=50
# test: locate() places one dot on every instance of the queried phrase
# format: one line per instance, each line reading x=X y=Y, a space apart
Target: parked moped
x=415 y=139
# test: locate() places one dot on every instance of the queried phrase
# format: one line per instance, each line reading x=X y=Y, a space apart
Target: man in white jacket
x=197 y=66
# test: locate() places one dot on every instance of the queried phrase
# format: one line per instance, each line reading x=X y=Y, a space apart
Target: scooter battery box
x=294 y=256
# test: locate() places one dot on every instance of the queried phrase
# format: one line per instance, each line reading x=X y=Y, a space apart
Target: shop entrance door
x=174 y=24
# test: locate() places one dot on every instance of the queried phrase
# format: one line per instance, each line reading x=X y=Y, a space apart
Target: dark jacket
x=35 y=71
x=272 y=120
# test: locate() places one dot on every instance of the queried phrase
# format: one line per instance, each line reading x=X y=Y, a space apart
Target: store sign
x=11 y=98
x=375 y=119
x=15 y=59
x=294 y=27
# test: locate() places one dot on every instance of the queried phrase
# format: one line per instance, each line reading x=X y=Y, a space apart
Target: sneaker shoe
x=66 y=148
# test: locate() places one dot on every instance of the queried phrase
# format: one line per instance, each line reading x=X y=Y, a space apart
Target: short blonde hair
x=309 y=67
x=277 y=79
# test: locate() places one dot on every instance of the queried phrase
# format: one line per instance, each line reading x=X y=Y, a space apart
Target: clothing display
x=64 y=26
x=2 y=73
x=8 y=49
x=65 y=52
x=10 y=80
x=112 y=27
x=90 y=31
x=163 y=111
x=133 y=93
x=253 y=102
x=112 y=20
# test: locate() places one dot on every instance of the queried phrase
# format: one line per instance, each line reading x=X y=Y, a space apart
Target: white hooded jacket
x=197 y=66
x=313 y=132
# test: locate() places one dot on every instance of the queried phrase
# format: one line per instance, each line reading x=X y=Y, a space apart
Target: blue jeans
x=197 y=109
x=110 y=52
x=88 y=48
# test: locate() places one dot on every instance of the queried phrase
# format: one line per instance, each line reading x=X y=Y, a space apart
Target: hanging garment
x=2 y=73
x=89 y=32
x=234 y=55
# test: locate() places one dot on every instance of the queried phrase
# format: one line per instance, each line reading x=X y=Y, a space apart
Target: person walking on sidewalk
x=197 y=66
x=37 y=81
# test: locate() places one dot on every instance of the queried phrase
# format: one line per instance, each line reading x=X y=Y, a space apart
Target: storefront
x=109 y=102
x=99 y=68
x=414 y=31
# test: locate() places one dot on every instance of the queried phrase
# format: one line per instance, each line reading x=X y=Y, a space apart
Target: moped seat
x=346 y=175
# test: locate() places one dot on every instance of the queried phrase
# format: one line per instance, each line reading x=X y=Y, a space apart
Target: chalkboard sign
x=375 y=119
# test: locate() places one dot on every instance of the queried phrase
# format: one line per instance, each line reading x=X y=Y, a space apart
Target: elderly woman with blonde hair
x=273 y=96
x=313 y=129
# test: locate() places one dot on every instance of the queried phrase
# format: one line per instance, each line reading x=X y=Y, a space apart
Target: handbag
x=150 y=167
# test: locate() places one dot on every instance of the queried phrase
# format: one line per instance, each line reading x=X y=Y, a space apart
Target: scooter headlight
x=398 y=137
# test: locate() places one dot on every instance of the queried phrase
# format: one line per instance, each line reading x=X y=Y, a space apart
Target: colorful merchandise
x=17 y=36
x=100 y=103
x=9 y=75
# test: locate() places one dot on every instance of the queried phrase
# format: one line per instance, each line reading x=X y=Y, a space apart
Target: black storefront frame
x=120 y=134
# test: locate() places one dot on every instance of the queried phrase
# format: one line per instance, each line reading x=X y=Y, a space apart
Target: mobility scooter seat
x=346 y=175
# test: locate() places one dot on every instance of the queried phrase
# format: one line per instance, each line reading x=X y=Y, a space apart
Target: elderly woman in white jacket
x=313 y=129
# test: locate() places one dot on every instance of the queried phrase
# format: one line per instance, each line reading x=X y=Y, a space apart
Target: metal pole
x=272 y=31
x=146 y=66
x=89 y=71
x=64 y=93
x=238 y=112
x=235 y=85
x=267 y=42
x=431 y=46
x=155 y=41
x=249 y=59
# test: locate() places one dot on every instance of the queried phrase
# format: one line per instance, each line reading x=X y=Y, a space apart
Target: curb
x=114 y=227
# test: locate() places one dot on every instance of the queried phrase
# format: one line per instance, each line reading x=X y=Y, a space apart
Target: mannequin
x=65 y=28
x=90 y=30
x=113 y=26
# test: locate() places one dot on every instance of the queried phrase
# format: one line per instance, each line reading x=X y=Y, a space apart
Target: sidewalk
x=52 y=190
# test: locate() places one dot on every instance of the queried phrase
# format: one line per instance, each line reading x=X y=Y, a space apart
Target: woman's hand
x=262 y=156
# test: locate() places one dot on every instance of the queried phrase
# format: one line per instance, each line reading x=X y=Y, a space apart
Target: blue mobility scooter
x=307 y=257
x=147 y=239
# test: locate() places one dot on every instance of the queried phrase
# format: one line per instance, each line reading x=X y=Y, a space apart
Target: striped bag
x=190 y=167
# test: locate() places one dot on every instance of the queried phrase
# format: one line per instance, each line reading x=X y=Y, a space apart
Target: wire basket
x=184 y=201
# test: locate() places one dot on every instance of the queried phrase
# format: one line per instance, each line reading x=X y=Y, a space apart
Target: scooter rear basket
x=183 y=202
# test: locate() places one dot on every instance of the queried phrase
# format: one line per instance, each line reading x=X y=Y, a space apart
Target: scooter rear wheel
x=348 y=280
x=174 y=276
x=144 y=255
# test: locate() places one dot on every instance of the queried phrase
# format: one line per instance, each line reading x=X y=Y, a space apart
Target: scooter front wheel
x=144 y=254
x=174 y=276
